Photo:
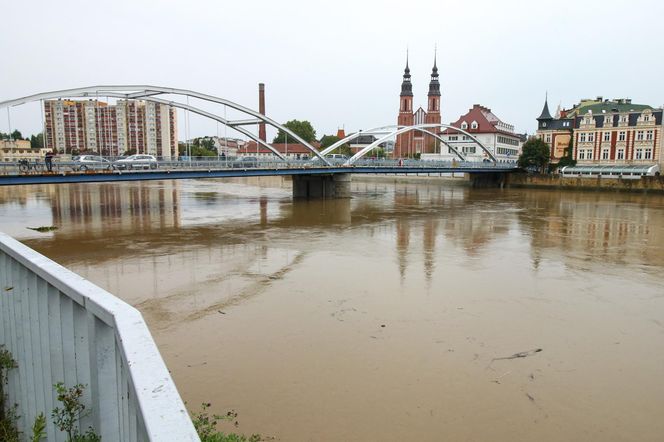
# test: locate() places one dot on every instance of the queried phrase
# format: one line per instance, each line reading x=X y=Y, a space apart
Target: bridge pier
x=486 y=180
x=326 y=186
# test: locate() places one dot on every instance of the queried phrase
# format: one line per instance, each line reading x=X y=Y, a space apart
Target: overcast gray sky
x=337 y=63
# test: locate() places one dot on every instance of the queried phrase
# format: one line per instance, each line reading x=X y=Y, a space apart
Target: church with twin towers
x=411 y=143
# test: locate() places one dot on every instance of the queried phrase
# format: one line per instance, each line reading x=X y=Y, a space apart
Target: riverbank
x=648 y=184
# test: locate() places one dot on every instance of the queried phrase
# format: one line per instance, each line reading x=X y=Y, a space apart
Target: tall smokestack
x=261 y=109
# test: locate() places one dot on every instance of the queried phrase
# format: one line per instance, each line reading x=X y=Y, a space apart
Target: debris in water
x=9 y=288
x=530 y=397
x=219 y=311
x=43 y=229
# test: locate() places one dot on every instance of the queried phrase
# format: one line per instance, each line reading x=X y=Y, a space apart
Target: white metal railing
x=60 y=327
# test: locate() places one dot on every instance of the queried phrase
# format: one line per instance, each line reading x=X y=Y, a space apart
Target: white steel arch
x=388 y=130
x=143 y=92
x=405 y=129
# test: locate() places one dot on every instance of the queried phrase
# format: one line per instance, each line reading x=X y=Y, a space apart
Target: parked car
x=245 y=163
x=137 y=162
x=90 y=162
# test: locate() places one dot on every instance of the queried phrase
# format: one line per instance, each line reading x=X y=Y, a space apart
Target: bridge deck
x=174 y=174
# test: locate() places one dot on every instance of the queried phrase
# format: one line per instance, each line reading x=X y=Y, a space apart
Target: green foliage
x=379 y=153
x=67 y=417
x=130 y=152
x=39 y=428
x=328 y=140
x=206 y=427
x=303 y=129
x=196 y=150
x=16 y=135
x=8 y=430
x=37 y=141
x=535 y=154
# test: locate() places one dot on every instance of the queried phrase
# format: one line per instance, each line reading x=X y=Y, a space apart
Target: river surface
x=382 y=317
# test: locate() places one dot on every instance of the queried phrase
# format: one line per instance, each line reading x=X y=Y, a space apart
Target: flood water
x=381 y=317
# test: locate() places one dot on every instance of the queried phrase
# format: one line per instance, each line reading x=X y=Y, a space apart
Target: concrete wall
x=650 y=184
x=321 y=186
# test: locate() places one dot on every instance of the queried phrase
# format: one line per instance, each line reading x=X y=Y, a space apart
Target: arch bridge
x=317 y=173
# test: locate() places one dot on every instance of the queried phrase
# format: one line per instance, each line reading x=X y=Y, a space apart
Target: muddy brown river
x=390 y=316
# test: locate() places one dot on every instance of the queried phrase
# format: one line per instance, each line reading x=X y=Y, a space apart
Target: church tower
x=433 y=108
x=404 y=143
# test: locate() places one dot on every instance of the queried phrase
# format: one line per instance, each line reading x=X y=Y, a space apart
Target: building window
x=648 y=153
x=589 y=154
x=548 y=138
x=607 y=136
x=621 y=154
x=591 y=137
x=605 y=154
x=639 y=135
x=639 y=154
x=464 y=125
x=454 y=137
x=473 y=125
x=582 y=154
x=582 y=137
x=621 y=135
x=649 y=135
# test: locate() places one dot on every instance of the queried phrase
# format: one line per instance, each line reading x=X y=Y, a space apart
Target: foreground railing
x=60 y=327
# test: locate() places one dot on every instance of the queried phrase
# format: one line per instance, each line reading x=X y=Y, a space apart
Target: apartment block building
x=95 y=126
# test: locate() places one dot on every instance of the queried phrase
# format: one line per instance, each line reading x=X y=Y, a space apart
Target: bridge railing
x=60 y=327
x=215 y=163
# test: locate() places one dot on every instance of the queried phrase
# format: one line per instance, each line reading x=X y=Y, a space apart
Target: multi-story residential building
x=95 y=126
x=605 y=132
x=497 y=136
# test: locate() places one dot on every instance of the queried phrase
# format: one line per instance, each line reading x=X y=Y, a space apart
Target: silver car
x=138 y=161
x=90 y=162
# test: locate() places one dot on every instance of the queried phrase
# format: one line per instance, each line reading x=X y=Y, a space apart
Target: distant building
x=556 y=132
x=410 y=143
x=94 y=126
x=605 y=132
x=494 y=134
x=289 y=150
x=15 y=150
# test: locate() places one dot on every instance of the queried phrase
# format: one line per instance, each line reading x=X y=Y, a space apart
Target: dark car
x=245 y=163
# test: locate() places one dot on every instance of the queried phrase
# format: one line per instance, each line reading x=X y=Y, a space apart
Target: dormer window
x=464 y=125
x=473 y=125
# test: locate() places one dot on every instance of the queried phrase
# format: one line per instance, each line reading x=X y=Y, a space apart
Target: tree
x=328 y=140
x=303 y=129
x=534 y=154
x=37 y=141
x=16 y=135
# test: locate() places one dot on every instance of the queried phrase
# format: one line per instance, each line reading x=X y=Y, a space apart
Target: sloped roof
x=486 y=121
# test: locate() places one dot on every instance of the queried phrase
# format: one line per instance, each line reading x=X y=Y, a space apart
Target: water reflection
x=93 y=217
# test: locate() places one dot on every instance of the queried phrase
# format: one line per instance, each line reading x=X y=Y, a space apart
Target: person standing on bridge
x=49 y=160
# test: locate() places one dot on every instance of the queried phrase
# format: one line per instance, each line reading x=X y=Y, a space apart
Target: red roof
x=486 y=121
x=291 y=148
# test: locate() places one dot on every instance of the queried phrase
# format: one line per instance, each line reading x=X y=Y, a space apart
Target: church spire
x=406 y=85
x=434 y=85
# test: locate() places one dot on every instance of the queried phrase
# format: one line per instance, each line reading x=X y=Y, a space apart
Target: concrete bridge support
x=486 y=180
x=322 y=186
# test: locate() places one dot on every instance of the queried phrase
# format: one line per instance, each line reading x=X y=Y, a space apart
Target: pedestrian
x=49 y=160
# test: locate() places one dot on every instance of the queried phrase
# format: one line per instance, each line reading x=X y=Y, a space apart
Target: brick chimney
x=261 y=109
